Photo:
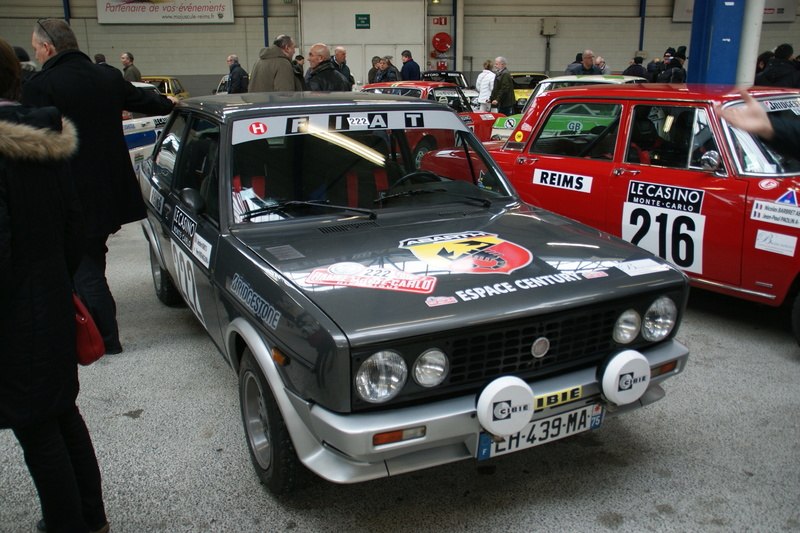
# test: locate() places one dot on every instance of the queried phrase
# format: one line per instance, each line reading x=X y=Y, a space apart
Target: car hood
x=397 y=276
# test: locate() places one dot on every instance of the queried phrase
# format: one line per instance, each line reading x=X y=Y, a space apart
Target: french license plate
x=543 y=431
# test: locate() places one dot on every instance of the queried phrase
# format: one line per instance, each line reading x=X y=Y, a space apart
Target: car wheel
x=271 y=448
x=165 y=288
x=424 y=146
x=796 y=318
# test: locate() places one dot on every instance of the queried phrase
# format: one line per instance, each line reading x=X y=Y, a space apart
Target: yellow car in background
x=524 y=83
x=167 y=85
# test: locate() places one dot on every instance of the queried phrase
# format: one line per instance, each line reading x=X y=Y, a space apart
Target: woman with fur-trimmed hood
x=41 y=243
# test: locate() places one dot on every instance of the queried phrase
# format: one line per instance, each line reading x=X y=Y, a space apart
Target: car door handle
x=523 y=160
x=620 y=171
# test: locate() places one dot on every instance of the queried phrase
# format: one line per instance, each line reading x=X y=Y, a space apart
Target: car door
x=186 y=177
x=663 y=200
x=568 y=160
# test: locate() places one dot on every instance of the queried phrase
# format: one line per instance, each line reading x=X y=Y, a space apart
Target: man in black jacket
x=324 y=76
x=781 y=71
x=237 y=77
x=93 y=97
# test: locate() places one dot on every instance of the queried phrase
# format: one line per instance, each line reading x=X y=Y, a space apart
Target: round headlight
x=381 y=377
x=627 y=326
x=431 y=368
x=659 y=319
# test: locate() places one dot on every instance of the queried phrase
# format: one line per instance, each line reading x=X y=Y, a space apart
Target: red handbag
x=89 y=343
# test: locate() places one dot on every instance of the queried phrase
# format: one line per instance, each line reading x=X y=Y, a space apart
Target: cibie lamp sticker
x=626 y=377
x=505 y=406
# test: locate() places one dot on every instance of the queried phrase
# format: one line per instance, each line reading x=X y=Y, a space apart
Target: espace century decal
x=471 y=252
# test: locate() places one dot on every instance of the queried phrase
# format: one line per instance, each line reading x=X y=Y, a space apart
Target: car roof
x=442 y=72
x=419 y=84
x=528 y=74
x=235 y=106
x=667 y=92
x=159 y=78
x=599 y=78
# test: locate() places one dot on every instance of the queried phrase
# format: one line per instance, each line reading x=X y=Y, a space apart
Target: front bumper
x=339 y=447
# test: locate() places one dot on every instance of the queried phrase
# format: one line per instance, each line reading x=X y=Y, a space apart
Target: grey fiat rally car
x=387 y=313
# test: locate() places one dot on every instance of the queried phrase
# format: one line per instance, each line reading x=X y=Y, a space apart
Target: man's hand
x=751 y=118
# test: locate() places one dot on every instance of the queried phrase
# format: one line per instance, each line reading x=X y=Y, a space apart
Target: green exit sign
x=362 y=22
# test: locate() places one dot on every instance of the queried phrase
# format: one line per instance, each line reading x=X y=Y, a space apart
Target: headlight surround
x=431 y=368
x=381 y=377
x=660 y=319
x=627 y=327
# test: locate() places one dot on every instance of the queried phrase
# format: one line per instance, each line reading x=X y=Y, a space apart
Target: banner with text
x=165 y=11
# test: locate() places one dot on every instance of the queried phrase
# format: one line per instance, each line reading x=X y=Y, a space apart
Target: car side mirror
x=192 y=199
x=711 y=161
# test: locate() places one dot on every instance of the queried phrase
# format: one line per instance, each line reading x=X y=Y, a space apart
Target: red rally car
x=449 y=94
x=655 y=165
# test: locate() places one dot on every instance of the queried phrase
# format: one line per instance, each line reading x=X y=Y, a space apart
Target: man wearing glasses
x=586 y=65
x=93 y=97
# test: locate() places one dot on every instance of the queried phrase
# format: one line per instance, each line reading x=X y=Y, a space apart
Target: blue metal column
x=716 y=36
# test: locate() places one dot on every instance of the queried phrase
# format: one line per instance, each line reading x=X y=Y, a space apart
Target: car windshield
x=754 y=156
x=447 y=77
x=357 y=164
x=401 y=91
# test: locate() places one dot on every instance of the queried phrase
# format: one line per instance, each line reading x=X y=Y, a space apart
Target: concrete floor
x=720 y=453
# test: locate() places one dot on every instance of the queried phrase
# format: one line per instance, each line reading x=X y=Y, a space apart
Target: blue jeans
x=60 y=457
x=92 y=288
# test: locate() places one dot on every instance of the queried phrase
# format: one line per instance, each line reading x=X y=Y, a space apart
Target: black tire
x=165 y=288
x=422 y=148
x=271 y=448
x=795 y=316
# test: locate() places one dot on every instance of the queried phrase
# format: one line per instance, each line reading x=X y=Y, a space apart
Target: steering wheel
x=418 y=176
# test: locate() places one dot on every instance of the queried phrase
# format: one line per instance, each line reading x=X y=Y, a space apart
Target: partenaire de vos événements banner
x=165 y=11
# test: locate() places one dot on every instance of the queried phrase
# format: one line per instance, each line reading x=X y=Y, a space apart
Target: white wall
x=503 y=27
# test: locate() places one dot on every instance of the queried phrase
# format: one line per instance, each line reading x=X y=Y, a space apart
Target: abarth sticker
x=470 y=252
x=358 y=275
x=780 y=214
x=666 y=221
x=561 y=180
x=776 y=243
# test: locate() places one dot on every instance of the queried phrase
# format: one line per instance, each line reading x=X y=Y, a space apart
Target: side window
x=168 y=151
x=197 y=166
x=703 y=140
x=669 y=136
x=579 y=129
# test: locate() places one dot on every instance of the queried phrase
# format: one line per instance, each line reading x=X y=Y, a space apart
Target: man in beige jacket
x=274 y=71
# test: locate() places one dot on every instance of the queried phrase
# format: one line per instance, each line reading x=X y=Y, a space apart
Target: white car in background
x=141 y=130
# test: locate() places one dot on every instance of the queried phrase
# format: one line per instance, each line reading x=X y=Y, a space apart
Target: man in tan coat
x=274 y=71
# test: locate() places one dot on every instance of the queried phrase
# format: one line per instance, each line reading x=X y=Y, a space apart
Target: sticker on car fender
x=775 y=213
x=257 y=304
x=776 y=243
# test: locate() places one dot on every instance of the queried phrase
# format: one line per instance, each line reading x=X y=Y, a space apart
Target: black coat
x=326 y=77
x=41 y=242
x=779 y=73
x=93 y=97
x=237 y=79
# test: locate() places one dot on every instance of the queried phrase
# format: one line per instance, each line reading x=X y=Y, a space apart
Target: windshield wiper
x=413 y=192
x=311 y=203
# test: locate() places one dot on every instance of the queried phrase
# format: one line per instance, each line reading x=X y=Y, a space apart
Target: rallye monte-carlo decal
x=471 y=252
x=358 y=275
x=667 y=221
